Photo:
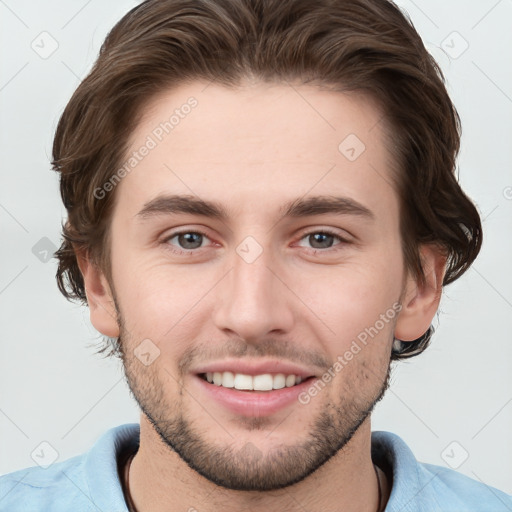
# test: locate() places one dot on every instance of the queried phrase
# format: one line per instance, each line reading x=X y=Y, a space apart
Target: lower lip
x=254 y=403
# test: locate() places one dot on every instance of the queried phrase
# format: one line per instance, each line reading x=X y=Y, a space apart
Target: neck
x=159 y=477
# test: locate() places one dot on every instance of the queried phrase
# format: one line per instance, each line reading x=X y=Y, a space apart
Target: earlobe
x=420 y=302
x=99 y=298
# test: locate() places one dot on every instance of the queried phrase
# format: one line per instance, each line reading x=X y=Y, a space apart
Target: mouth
x=253 y=387
x=253 y=383
x=256 y=395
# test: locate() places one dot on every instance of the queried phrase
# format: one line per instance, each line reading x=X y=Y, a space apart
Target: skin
x=253 y=149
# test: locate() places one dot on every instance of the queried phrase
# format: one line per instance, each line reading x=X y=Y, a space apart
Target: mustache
x=293 y=352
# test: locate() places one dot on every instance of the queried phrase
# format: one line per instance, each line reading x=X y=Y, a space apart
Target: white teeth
x=243 y=381
x=228 y=380
x=290 y=380
x=263 y=382
x=279 y=381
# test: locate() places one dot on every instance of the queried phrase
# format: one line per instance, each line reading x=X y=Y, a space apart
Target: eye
x=323 y=239
x=186 y=240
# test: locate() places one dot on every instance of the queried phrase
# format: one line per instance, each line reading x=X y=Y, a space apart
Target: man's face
x=259 y=285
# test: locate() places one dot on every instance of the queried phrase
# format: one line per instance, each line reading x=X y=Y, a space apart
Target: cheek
x=351 y=298
x=161 y=303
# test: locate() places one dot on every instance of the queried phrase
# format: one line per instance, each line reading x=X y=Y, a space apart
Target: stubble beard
x=248 y=468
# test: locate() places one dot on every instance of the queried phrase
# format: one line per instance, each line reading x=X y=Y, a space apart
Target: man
x=262 y=213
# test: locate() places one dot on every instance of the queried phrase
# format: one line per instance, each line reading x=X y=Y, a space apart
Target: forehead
x=259 y=144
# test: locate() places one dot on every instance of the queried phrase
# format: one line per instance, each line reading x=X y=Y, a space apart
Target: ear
x=99 y=297
x=420 y=303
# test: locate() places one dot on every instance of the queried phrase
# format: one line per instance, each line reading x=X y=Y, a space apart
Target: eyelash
x=314 y=250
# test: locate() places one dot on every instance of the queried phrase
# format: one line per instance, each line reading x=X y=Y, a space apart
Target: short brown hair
x=350 y=45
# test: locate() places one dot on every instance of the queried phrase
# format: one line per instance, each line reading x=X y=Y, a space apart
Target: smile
x=244 y=382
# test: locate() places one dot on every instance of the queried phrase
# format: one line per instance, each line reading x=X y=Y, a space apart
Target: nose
x=253 y=300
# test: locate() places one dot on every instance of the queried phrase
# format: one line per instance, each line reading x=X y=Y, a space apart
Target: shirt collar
x=101 y=466
x=411 y=485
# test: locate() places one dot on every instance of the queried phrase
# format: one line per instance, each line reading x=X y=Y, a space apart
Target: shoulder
x=421 y=486
x=472 y=494
x=87 y=482
x=60 y=487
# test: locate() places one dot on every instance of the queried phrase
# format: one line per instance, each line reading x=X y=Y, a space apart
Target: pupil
x=187 y=240
x=319 y=238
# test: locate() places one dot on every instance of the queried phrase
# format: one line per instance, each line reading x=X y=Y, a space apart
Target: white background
x=52 y=387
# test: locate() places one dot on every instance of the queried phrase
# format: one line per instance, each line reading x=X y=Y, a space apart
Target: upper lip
x=255 y=367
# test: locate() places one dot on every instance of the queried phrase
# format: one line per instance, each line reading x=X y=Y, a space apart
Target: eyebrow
x=301 y=207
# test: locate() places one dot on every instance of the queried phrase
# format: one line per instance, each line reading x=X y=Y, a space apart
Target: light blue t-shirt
x=90 y=482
